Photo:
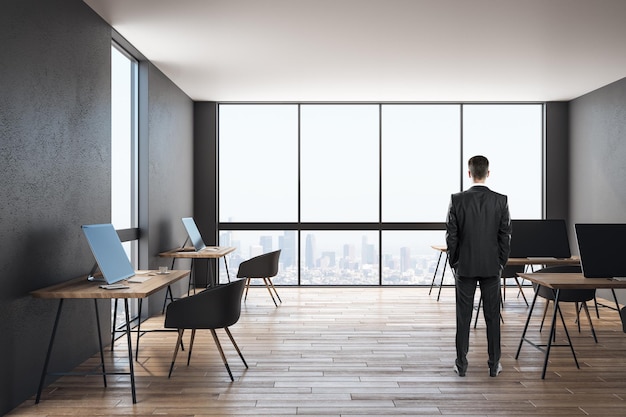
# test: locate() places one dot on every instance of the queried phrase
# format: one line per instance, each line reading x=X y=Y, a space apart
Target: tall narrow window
x=124 y=193
x=123 y=140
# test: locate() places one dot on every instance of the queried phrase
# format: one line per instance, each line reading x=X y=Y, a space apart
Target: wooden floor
x=357 y=352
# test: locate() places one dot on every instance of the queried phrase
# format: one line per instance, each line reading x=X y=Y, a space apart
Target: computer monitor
x=602 y=247
x=107 y=248
x=194 y=233
x=539 y=239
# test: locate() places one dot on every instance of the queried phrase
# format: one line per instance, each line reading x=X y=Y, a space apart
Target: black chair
x=509 y=271
x=263 y=266
x=577 y=296
x=214 y=308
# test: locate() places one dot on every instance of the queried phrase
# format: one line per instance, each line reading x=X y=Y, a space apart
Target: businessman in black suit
x=478 y=237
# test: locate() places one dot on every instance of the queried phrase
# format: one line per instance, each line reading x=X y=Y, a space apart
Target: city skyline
x=354 y=261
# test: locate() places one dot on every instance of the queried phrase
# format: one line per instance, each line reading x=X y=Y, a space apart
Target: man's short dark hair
x=478 y=167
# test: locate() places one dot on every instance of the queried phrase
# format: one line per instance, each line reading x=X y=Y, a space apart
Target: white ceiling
x=377 y=50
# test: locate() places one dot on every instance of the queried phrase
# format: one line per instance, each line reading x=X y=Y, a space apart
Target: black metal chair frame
x=216 y=307
x=263 y=266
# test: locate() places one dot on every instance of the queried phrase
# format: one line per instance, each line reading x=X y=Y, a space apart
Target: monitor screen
x=601 y=247
x=194 y=233
x=539 y=239
x=107 y=248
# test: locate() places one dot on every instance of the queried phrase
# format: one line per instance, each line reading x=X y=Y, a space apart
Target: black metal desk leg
x=114 y=324
x=530 y=313
x=209 y=274
x=432 y=283
x=191 y=277
x=130 y=352
x=47 y=361
x=104 y=372
x=168 y=291
x=521 y=291
x=614 y=298
x=226 y=266
x=139 y=327
x=445 y=264
x=569 y=340
x=552 y=331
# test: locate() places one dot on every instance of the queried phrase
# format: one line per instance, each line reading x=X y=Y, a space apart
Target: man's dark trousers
x=490 y=293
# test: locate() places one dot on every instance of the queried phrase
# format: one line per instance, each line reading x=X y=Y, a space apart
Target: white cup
x=163 y=270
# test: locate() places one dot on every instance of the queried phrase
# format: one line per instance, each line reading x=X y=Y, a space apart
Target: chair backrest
x=510 y=271
x=262 y=266
x=214 y=308
x=564 y=295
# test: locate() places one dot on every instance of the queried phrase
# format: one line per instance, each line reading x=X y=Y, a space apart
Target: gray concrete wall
x=55 y=156
x=167 y=174
x=597 y=171
x=55 y=162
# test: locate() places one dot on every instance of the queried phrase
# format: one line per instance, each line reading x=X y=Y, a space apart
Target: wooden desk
x=81 y=288
x=574 y=260
x=557 y=282
x=210 y=252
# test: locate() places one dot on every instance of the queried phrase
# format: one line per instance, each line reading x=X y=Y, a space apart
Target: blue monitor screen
x=194 y=233
x=107 y=248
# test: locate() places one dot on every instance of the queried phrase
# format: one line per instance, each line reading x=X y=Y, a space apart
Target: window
x=258 y=163
x=511 y=137
x=124 y=193
x=339 y=257
x=253 y=243
x=339 y=157
x=123 y=140
x=408 y=258
x=361 y=190
x=420 y=162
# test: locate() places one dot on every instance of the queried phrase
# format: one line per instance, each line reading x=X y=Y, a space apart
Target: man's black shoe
x=459 y=372
x=495 y=370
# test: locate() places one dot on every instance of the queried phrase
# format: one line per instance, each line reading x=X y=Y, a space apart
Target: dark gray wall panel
x=557 y=160
x=55 y=159
x=205 y=189
x=170 y=173
x=205 y=169
x=598 y=155
x=598 y=160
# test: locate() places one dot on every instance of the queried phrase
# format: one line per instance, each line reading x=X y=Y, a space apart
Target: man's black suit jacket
x=478 y=232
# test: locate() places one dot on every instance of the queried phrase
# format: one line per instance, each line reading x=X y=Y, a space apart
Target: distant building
x=266 y=243
x=405 y=259
x=287 y=245
x=309 y=251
